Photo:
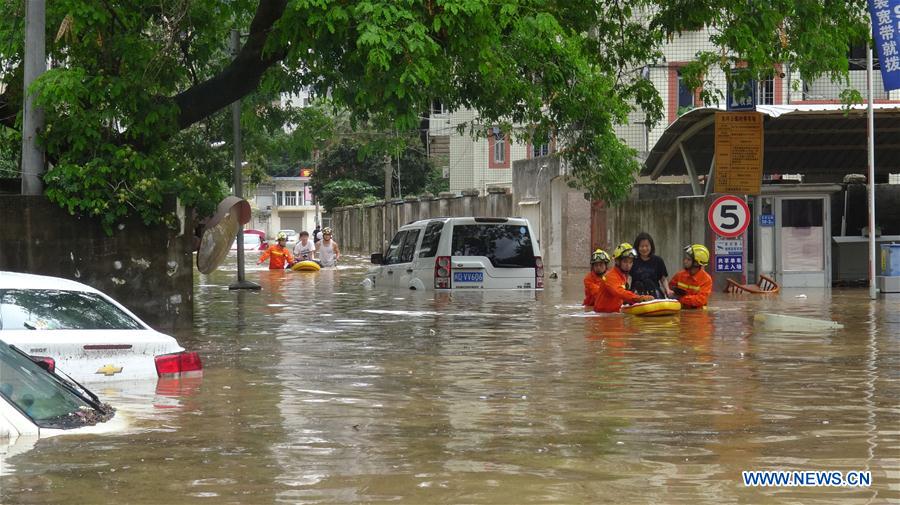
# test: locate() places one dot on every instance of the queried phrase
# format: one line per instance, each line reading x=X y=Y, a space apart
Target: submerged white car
x=460 y=253
x=35 y=403
x=84 y=333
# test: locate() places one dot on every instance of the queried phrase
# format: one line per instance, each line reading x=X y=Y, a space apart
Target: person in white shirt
x=305 y=249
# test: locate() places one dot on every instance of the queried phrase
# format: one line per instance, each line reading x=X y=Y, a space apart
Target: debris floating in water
x=783 y=322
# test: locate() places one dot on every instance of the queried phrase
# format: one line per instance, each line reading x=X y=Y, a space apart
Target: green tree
x=136 y=76
x=358 y=166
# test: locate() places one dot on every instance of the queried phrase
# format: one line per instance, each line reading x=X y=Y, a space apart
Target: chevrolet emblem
x=109 y=370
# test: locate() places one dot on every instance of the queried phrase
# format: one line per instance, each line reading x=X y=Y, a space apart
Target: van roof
x=471 y=220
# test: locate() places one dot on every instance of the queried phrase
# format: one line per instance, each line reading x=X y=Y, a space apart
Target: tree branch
x=240 y=77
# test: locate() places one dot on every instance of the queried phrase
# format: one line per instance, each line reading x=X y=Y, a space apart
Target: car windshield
x=32 y=309
x=505 y=245
x=42 y=396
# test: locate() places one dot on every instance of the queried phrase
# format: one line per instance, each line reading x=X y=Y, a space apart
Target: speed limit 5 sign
x=728 y=216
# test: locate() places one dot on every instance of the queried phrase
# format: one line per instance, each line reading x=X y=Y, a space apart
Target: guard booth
x=790 y=236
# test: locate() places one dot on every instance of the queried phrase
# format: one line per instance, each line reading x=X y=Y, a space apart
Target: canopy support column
x=710 y=182
x=692 y=173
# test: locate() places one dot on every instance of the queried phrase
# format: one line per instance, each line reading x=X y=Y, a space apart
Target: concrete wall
x=540 y=188
x=147 y=269
x=367 y=228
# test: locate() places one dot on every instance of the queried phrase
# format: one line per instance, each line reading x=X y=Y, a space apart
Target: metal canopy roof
x=823 y=141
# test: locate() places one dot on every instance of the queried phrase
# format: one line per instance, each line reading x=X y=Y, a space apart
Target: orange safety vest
x=279 y=256
x=612 y=292
x=697 y=288
x=592 y=283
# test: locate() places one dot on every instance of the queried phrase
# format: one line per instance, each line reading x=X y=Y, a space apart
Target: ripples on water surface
x=318 y=391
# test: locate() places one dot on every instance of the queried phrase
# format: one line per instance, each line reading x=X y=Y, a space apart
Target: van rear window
x=505 y=245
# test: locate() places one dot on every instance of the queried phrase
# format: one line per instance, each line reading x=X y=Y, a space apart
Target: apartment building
x=485 y=160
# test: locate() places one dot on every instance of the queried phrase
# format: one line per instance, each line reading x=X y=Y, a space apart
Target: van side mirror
x=377 y=259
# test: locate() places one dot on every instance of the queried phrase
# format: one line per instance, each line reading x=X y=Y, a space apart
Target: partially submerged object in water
x=783 y=322
x=765 y=285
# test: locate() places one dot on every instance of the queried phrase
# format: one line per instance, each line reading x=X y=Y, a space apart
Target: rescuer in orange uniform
x=612 y=292
x=278 y=255
x=693 y=285
x=599 y=264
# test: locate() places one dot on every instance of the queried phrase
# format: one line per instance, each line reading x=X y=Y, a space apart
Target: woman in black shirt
x=649 y=275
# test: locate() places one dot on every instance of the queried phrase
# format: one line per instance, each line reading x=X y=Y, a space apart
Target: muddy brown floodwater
x=317 y=390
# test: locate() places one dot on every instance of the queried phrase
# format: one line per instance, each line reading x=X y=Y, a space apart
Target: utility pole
x=238 y=174
x=33 y=117
x=388 y=177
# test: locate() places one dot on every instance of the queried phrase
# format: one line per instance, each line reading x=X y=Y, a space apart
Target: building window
x=680 y=98
x=498 y=149
x=685 y=96
x=437 y=108
x=290 y=198
x=279 y=198
x=765 y=93
x=540 y=150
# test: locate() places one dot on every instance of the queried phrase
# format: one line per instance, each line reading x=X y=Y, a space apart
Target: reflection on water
x=317 y=390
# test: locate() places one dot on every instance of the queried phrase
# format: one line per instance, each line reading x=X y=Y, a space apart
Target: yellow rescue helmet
x=281 y=236
x=624 y=250
x=599 y=256
x=698 y=253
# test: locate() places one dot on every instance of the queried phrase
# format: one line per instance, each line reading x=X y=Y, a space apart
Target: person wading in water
x=329 y=252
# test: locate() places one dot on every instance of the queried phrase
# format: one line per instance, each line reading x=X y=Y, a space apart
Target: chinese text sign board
x=739 y=152
x=729 y=264
x=886 y=34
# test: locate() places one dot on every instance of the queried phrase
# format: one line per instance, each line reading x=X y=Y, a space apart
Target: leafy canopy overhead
x=133 y=99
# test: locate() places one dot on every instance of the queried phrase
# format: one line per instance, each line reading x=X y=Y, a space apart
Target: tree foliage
x=133 y=99
x=354 y=166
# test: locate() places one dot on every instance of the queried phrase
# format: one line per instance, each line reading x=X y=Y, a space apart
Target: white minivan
x=460 y=253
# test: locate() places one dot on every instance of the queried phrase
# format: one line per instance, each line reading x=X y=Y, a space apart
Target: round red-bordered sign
x=728 y=216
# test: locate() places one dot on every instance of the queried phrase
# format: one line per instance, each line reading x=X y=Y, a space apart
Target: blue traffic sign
x=729 y=263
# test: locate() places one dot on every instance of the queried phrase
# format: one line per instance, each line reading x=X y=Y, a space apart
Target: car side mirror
x=377 y=259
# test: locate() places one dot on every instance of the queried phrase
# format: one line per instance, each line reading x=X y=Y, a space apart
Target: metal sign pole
x=238 y=176
x=871 y=176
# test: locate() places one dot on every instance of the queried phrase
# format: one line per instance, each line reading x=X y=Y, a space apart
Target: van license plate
x=468 y=276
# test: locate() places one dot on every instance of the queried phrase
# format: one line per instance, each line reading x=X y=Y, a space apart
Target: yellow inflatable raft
x=653 y=308
x=306 y=266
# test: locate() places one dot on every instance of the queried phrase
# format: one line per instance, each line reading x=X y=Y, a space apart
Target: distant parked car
x=85 y=333
x=461 y=253
x=263 y=244
x=37 y=403
x=254 y=240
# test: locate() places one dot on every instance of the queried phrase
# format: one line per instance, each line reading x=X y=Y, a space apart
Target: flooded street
x=316 y=390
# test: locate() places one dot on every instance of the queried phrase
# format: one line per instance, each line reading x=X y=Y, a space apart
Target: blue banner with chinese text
x=886 y=33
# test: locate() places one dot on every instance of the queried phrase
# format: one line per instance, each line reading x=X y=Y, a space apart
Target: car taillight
x=442 y=271
x=538 y=272
x=45 y=362
x=178 y=363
